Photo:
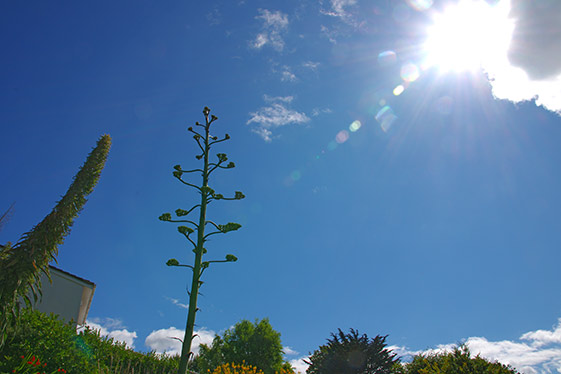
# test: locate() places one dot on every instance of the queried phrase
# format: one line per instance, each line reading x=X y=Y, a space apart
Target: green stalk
x=207 y=195
x=188 y=339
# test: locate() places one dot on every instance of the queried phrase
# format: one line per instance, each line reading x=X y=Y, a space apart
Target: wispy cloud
x=166 y=340
x=311 y=65
x=530 y=67
x=534 y=352
x=178 y=303
x=276 y=114
x=317 y=111
x=113 y=328
x=329 y=34
x=287 y=75
x=289 y=351
x=274 y=24
x=337 y=8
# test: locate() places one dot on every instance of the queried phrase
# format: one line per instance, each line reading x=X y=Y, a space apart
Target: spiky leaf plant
x=21 y=264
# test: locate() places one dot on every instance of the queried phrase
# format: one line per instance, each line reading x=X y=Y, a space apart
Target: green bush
x=458 y=361
x=57 y=345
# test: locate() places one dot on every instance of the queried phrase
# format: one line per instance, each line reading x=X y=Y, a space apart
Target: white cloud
x=178 y=303
x=113 y=328
x=329 y=34
x=299 y=365
x=530 y=66
x=317 y=111
x=542 y=337
x=311 y=65
x=287 y=75
x=166 y=340
x=276 y=114
x=289 y=351
x=337 y=8
x=274 y=25
x=534 y=352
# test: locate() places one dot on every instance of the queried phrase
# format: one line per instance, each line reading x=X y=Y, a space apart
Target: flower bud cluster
x=165 y=217
x=185 y=230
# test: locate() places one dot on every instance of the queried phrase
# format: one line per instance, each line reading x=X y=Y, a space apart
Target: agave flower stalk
x=204 y=141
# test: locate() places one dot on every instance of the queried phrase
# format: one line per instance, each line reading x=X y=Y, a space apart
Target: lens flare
x=387 y=58
x=410 y=72
x=342 y=136
x=355 y=126
x=420 y=5
x=332 y=145
x=386 y=118
x=398 y=90
x=296 y=175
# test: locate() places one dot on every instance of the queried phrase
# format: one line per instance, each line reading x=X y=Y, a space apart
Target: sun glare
x=469 y=35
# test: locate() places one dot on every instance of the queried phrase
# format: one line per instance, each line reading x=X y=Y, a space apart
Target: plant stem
x=199 y=249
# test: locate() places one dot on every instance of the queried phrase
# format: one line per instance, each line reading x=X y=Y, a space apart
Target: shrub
x=458 y=361
x=56 y=344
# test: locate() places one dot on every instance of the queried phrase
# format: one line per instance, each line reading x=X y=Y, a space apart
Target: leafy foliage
x=22 y=264
x=204 y=141
x=44 y=336
x=57 y=346
x=458 y=361
x=256 y=344
x=352 y=354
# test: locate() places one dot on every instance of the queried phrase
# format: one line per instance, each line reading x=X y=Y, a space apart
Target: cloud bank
x=113 y=328
x=535 y=352
x=531 y=67
x=166 y=340
x=276 y=114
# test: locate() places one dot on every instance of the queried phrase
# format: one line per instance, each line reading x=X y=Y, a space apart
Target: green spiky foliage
x=204 y=141
x=352 y=353
x=22 y=264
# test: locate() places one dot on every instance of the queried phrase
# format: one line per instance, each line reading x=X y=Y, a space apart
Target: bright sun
x=469 y=35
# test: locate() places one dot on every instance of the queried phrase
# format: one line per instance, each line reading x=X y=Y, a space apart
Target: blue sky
x=427 y=212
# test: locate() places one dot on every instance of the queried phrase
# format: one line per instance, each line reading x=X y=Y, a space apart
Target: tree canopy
x=352 y=354
x=256 y=344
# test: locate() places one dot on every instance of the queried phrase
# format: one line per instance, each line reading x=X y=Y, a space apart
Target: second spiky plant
x=205 y=141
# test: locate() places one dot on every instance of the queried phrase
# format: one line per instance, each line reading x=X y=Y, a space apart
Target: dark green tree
x=204 y=141
x=21 y=264
x=256 y=344
x=459 y=361
x=352 y=354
